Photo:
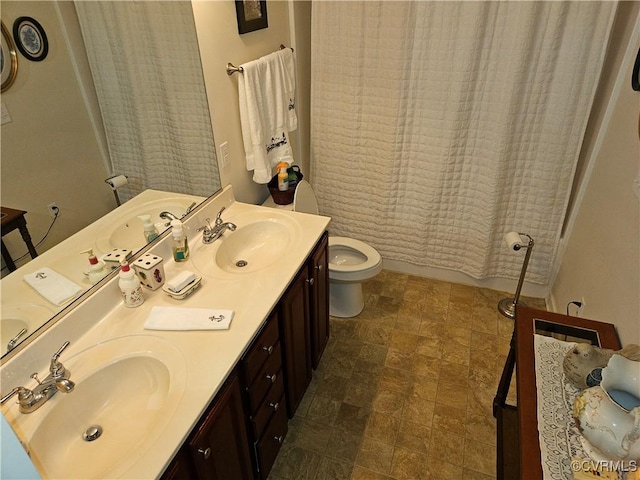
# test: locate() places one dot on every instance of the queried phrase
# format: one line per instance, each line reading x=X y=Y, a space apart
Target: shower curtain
x=437 y=127
x=146 y=68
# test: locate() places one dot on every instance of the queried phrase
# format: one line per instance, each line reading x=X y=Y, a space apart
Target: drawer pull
x=268 y=349
x=206 y=453
x=272 y=378
x=279 y=439
x=318 y=267
x=310 y=281
x=275 y=406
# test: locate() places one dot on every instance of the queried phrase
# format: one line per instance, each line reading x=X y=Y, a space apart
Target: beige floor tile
x=418 y=410
x=449 y=419
x=408 y=465
x=375 y=455
x=332 y=469
x=445 y=444
x=361 y=473
x=480 y=456
x=452 y=394
x=382 y=427
x=413 y=436
x=440 y=469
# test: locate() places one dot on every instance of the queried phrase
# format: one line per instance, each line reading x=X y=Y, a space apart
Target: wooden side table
x=518 y=449
x=12 y=219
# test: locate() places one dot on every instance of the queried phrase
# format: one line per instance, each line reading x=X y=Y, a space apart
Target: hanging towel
x=266 y=97
x=53 y=286
x=180 y=318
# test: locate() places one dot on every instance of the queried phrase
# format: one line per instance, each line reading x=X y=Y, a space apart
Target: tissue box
x=150 y=270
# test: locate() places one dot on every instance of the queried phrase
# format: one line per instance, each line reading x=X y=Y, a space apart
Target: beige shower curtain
x=437 y=127
x=146 y=67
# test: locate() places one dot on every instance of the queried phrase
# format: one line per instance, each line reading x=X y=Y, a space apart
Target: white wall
x=220 y=43
x=601 y=261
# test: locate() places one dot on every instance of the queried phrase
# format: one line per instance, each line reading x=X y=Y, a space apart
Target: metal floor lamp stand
x=507 y=306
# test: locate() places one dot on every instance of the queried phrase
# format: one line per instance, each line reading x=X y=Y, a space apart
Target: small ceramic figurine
x=584 y=363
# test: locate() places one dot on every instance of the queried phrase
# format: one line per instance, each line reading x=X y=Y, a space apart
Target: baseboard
x=506 y=285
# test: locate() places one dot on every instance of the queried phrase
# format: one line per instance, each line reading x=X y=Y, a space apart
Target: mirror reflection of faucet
x=57 y=381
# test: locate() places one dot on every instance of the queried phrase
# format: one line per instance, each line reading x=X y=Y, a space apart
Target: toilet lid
x=304 y=199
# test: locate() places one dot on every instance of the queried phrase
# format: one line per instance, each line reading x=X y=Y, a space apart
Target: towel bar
x=231 y=68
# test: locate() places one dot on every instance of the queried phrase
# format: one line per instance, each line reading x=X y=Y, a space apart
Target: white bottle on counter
x=130 y=286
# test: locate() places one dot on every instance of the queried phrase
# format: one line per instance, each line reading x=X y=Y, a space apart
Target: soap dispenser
x=96 y=268
x=130 y=286
x=180 y=244
x=150 y=230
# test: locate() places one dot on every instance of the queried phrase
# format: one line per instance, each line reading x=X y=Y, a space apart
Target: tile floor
x=405 y=389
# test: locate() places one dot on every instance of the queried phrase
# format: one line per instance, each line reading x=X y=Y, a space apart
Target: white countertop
x=209 y=355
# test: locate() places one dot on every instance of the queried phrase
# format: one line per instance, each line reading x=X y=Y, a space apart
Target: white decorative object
x=608 y=415
x=150 y=270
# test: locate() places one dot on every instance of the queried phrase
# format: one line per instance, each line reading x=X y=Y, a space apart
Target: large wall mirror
x=84 y=114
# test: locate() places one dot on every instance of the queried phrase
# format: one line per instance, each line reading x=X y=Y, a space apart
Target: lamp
x=507 y=306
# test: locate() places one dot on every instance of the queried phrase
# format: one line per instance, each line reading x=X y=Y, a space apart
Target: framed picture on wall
x=30 y=38
x=252 y=15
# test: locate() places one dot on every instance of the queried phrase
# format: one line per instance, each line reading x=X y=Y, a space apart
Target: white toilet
x=351 y=261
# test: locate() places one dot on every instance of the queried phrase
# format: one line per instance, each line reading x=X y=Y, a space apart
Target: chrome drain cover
x=241 y=263
x=92 y=433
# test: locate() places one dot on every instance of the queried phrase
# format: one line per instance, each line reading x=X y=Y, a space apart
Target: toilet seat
x=351 y=271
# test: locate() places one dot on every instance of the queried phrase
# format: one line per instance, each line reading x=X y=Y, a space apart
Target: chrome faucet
x=56 y=381
x=14 y=341
x=168 y=216
x=211 y=234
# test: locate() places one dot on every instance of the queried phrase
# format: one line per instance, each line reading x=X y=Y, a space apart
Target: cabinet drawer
x=261 y=350
x=269 y=445
x=267 y=376
x=271 y=403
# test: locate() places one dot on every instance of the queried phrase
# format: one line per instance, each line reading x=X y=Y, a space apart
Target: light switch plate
x=224 y=154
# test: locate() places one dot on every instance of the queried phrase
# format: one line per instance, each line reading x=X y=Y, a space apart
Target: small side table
x=12 y=219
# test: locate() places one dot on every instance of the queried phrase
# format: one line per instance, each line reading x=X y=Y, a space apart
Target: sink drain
x=92 y=433
x=241 y=263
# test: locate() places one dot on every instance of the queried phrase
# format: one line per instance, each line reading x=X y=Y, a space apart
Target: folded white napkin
x=180 y=318
x=53 y=286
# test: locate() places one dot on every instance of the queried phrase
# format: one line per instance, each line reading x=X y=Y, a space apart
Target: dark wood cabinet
x=319 y=299
x=264 y=396
x=295 y=339
x=240 y=435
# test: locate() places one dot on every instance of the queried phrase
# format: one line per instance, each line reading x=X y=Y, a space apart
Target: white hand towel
x=53 y=286
x=266 y=98
x=180 y=318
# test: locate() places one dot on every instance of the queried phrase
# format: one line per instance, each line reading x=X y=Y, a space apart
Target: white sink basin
x=129 y=387
x=260 y=240
x=126 y=232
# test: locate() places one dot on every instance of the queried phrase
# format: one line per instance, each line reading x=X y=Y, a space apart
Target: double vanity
x=185 y=404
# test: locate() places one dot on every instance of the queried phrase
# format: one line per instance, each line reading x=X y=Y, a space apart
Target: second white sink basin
x=261 y=239
x=127 y=390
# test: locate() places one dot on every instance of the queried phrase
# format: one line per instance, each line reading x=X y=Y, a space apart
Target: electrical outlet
x=53 y=209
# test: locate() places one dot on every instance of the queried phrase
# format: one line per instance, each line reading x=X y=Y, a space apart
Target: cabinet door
x=319 y=299
x=295 y=340
x=219 y=447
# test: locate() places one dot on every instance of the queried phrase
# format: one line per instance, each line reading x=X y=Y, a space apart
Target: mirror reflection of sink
x=259 y=241
x=127 y=390
x=20 y=316
x=127 y=232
